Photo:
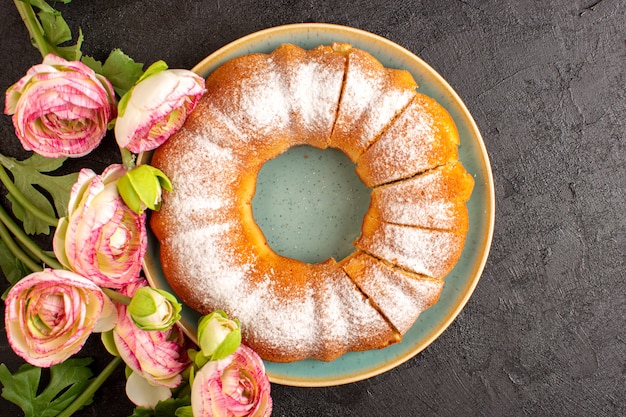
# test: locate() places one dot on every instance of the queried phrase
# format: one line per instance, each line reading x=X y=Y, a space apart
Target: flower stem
x=34 y=27
x=5 y=236
x=26 y=241
x=128 y=158
x=116 y=296
x=24 y=202
x=91 y=389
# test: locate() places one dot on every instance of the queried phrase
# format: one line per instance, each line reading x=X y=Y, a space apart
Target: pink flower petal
x=50 y=314
x=157 y=108
x=61 y=109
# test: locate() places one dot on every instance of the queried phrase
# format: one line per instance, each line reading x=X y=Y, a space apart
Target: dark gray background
x=543 y=333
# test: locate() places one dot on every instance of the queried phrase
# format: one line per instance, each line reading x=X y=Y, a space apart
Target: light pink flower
x=61 y=108
x=235 y=386
x=50 y=314
x=158 y=356
x=101 y=238
x=157 y=107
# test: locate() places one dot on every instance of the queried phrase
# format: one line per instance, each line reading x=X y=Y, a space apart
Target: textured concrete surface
x=543 y=334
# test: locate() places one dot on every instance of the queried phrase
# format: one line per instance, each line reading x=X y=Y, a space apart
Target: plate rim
x=224 y=53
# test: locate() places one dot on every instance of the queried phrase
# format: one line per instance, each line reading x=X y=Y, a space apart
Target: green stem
x=78 y=403
x=128 y=158
x=116 y=296
x=5 y=236
x=34 y=27
x=24 y=202
x=26 y=241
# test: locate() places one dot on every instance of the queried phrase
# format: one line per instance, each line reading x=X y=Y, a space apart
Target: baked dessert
x=257 y=106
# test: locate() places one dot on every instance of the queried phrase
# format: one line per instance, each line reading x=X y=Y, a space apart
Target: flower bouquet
x=91 y=281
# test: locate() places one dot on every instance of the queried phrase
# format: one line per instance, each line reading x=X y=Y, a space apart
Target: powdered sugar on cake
x=418 y=140
x=256 y=107
x=368 y=103
x=424 y=251
x=400 y=296
x=430 y=200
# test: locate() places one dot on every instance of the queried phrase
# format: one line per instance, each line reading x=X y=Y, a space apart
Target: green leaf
x=32 y=224
x=153 y=69
x=92 y=63
x=49 y=30
x=55 y=28
x=184 y=412
x=12 y=268
x=44 y=6
x=29 y=173
x=73 y=52
x=165 y=408
x=67 y=382
x=122 y=71
x=42 y=164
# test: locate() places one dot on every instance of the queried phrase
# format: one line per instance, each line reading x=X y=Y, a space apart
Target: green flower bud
x=218 y=336
x=154 y=309
x=142 y=186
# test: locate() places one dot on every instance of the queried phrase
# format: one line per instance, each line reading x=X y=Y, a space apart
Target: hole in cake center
x=310 y=204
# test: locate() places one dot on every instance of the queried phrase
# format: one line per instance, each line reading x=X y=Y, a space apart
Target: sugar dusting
x=345 y=317
x=314 y=88
x=424 y=251
x=406 y=148
x=330 y=311
x=368 y=103
x=418 y=201
x=399 y=296
x=329 y=314
x=262 y=102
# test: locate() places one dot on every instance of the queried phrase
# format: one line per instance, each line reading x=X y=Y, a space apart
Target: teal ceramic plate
x=459 y=284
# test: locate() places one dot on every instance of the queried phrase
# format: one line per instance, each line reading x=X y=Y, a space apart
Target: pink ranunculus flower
x=156 y=108
x=61 y=108
x=101 y=238
x=50 y=314
x=235 y=386
x=159 y=356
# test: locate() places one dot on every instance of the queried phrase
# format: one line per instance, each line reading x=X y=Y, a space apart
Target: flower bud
x=159 y=356
x=156 y=107
x=218 y=336
x=154 y=309
x=142 y=187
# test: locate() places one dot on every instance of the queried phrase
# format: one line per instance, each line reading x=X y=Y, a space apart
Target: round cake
x=404 y=145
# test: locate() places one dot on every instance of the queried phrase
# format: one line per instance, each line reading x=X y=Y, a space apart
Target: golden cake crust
x=257 y=106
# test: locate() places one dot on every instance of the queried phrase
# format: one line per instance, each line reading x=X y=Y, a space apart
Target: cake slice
x=311 y=82
x=249 y=111
x=372 y=96
x=346 y=319
x=399 y=295
x=434 y=200
x=428 y=252
x=423 y=137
